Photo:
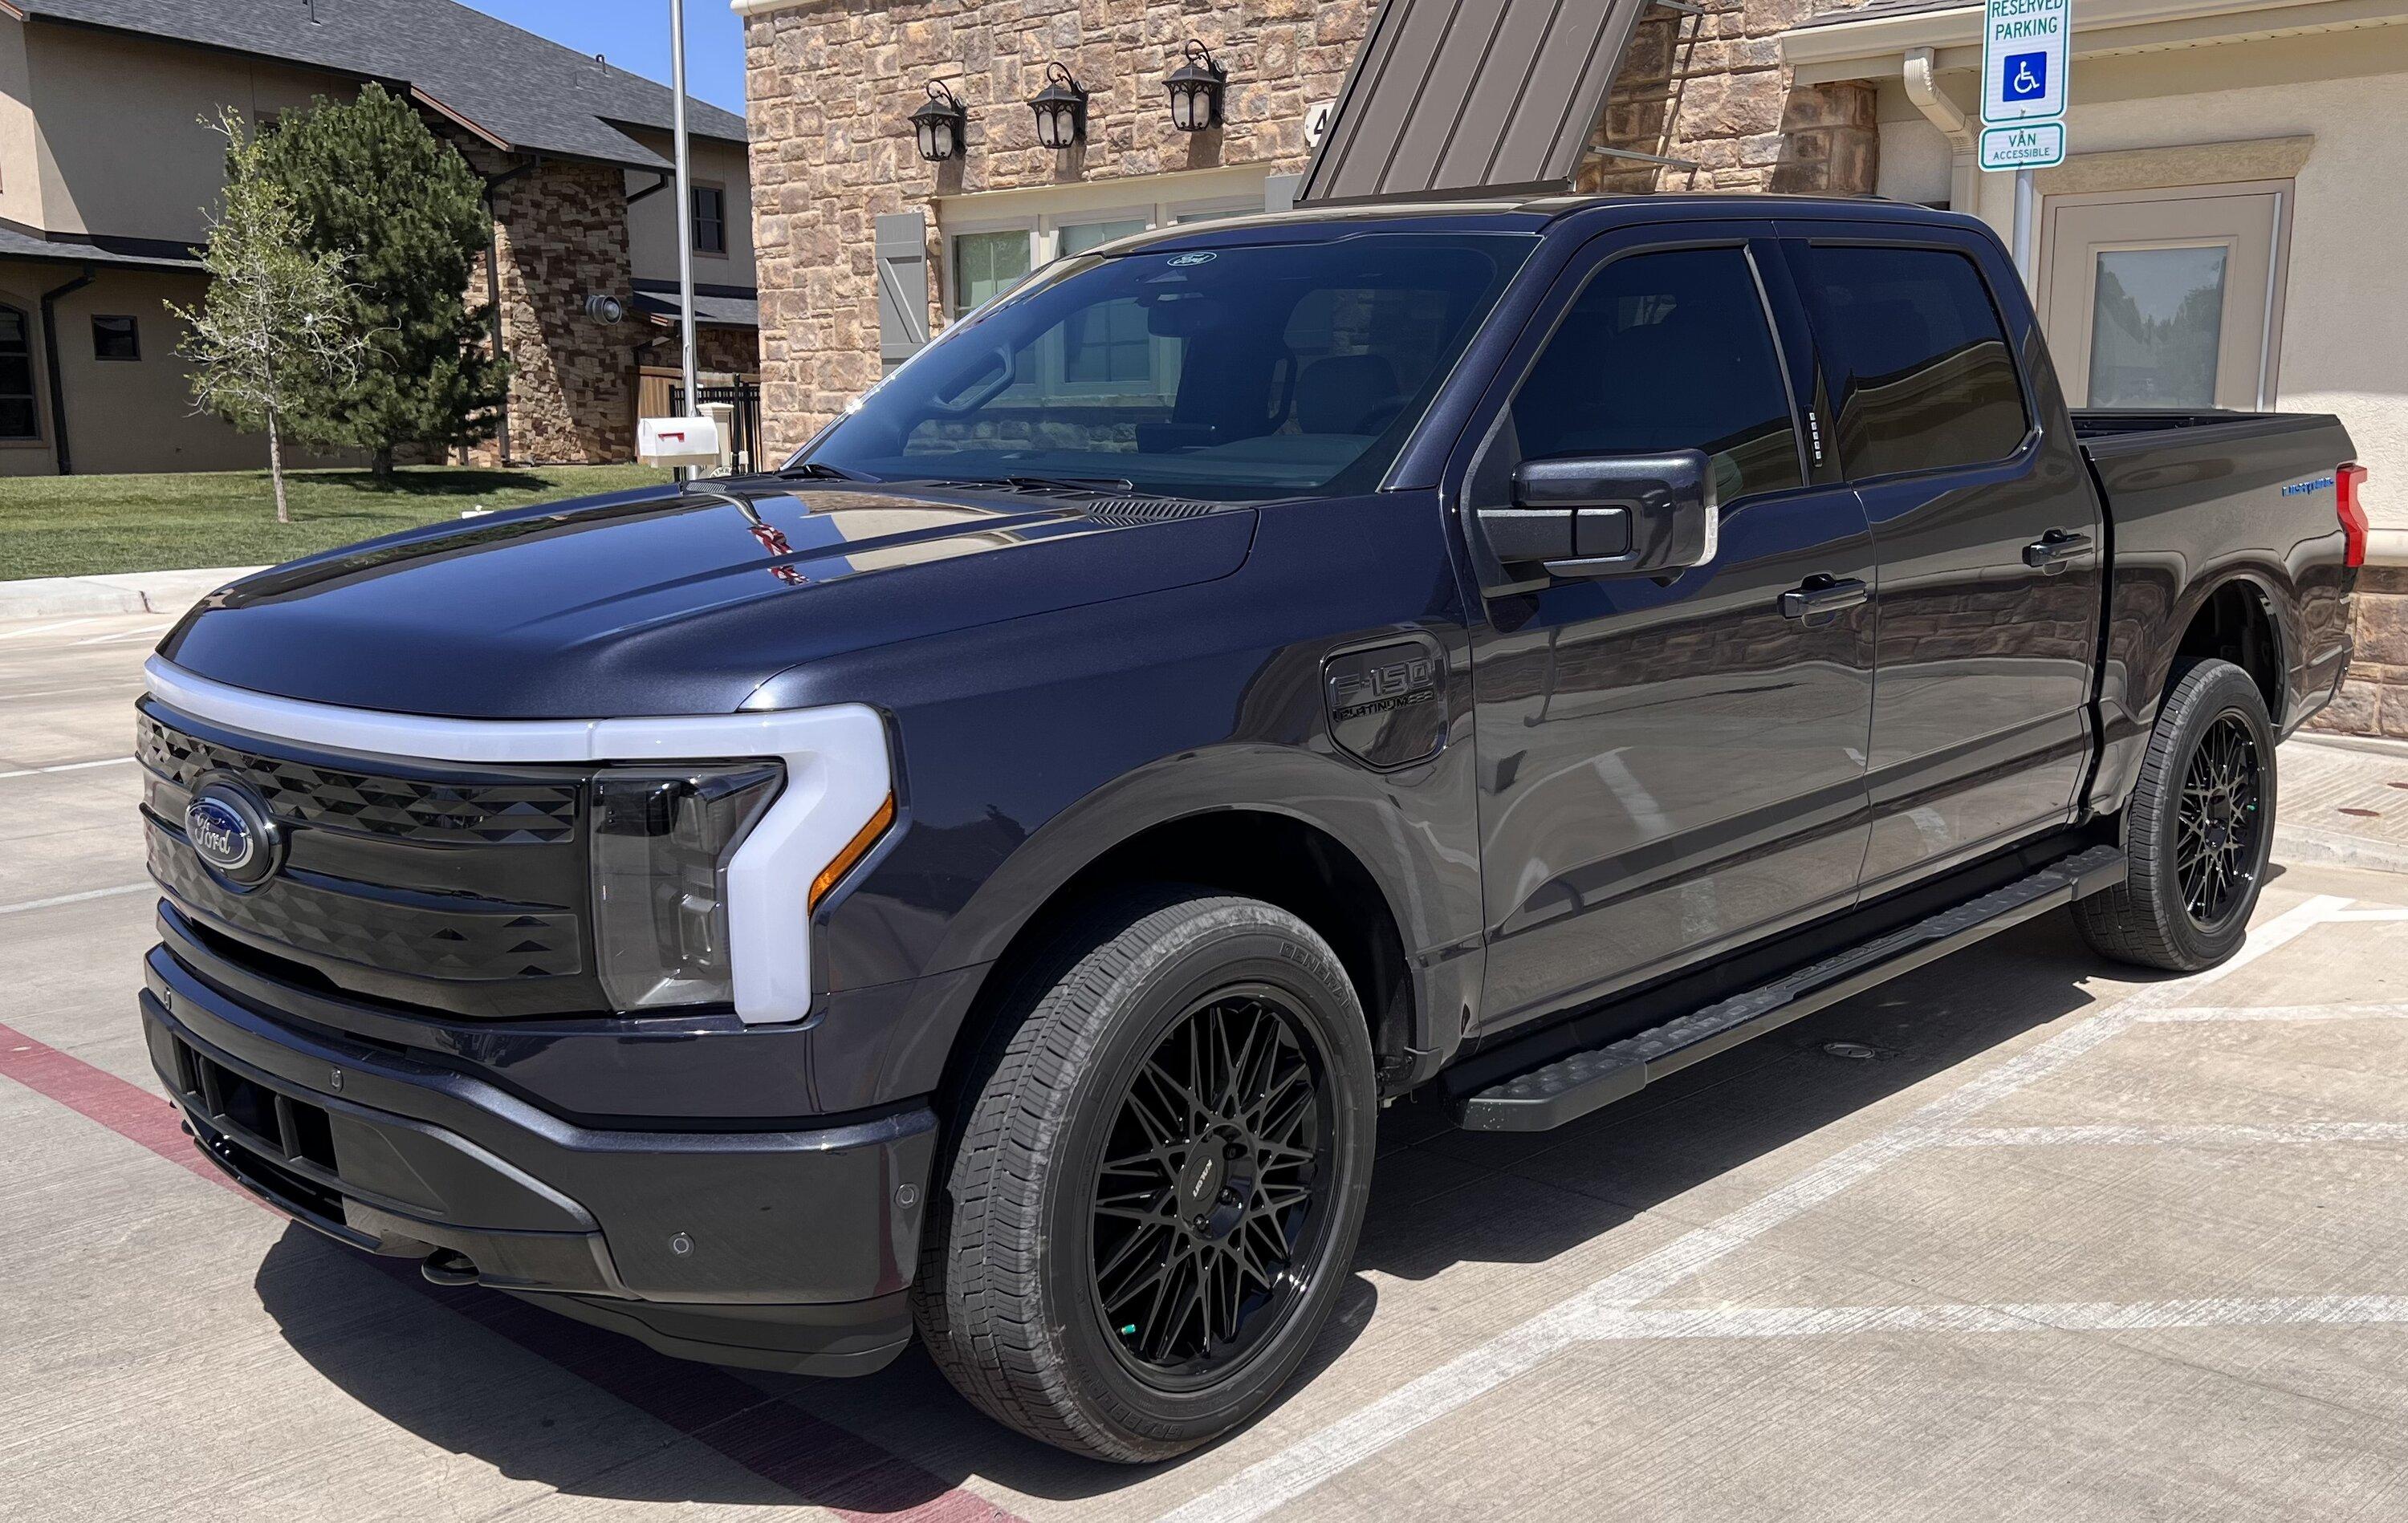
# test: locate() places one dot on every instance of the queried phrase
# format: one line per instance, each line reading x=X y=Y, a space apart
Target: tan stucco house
x=107 y=177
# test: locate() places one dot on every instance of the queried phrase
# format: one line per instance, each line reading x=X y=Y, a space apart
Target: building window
x=1106 y=345
x=116 y=338
x=986 y=265
x=710 y=219
x=19 y=418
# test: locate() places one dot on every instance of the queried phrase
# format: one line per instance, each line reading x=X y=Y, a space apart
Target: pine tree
x=373 y=184
x=272 y=331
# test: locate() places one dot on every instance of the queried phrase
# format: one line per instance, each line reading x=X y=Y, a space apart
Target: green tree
x=273 y=330
x=404 y=210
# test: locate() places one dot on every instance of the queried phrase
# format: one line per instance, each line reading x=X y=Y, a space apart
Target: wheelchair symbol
x=2026 y=77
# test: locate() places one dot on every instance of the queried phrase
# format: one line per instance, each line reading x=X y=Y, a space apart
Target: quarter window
x=1667 y=351
x=1916 y=358
x=18 y=418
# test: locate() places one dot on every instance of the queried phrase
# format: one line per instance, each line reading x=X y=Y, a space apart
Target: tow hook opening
x=448 y=1266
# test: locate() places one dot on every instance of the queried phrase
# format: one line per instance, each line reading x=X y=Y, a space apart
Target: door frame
x=2278 y=268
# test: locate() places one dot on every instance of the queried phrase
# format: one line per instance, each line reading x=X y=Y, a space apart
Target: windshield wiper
x=1046 y=483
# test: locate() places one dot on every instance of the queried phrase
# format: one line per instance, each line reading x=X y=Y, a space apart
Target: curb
x=2330 y=848
x=118 y=593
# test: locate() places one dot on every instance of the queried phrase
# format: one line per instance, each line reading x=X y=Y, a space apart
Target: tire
x=2212 y=724
x=1035 y=1239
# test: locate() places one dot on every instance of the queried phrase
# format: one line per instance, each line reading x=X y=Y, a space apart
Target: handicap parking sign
x=2023 y=47
x=2024 y=77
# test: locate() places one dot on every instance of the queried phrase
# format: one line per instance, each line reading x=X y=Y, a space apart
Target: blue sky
x=634 y=35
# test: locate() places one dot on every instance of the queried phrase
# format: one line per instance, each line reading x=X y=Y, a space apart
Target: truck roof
x=1529 y=214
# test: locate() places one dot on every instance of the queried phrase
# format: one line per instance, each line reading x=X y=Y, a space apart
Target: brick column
x=562 y=229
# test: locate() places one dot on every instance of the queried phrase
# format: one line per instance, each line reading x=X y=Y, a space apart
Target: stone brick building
x=107 y=181
x=2231 y=158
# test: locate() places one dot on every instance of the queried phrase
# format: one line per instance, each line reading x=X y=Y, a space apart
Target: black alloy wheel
x=2216 y=823
x=1207 y=1196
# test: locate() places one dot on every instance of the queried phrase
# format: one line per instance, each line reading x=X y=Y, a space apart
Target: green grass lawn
x=78 y=525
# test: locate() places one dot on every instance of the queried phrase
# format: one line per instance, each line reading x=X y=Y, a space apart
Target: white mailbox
x=676 y=441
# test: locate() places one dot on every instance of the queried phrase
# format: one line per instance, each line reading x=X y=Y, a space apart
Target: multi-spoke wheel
x=2198 y=830
x=1206 y=1204
x=1153 y=1179
x=2216 y=824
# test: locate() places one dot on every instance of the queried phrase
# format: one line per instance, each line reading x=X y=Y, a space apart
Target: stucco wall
x=123 y=415
x=122 y=150
x=2345 y=323
x=652 y=223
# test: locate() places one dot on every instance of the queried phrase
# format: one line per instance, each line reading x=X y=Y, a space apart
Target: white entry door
x=2168 y=298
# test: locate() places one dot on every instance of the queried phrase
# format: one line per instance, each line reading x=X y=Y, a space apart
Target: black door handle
x=1819 y=595
x=2055 y=550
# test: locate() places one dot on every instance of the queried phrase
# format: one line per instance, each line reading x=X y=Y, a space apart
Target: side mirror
x=1608 y=515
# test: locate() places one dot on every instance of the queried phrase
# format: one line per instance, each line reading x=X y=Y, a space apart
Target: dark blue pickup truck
x=989 y=874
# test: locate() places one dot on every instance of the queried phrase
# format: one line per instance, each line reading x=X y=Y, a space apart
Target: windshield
x=1266 y=370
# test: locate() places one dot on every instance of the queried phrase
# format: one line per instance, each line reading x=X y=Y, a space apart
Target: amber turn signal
x=854 y=851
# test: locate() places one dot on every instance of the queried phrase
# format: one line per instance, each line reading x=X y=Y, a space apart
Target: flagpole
x=685 y=208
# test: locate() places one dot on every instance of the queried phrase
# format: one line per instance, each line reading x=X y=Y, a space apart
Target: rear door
x=1669 y=765
x=1988 y=538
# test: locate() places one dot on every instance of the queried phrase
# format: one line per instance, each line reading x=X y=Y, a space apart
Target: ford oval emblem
x=1199 y=257
x=231 y=833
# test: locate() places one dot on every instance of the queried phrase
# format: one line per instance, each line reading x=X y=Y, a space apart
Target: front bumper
x=777 y=1249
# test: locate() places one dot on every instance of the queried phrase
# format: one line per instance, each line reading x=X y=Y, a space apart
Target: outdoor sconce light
x=1195 y=89
x=1061 y=110
x=937 y=125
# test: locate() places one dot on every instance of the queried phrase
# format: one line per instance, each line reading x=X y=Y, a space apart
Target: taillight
x=2348 y=480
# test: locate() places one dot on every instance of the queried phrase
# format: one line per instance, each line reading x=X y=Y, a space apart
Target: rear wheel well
x=1274 y=858
x=2234 y=625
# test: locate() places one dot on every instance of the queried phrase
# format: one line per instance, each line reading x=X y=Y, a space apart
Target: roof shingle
x=527 y=90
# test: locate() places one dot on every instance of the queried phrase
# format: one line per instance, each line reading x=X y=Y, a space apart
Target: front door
x=1669 y=765
x=2165 y=298
x=1989 y=539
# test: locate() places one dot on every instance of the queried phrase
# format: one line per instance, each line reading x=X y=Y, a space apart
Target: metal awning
x=1449 y=96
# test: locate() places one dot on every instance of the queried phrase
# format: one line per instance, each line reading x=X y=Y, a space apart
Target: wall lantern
x=937 y=125
x=1061 y=110
x=1195 y=89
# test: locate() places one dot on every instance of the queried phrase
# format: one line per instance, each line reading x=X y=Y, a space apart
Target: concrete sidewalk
x=120 y=592
x=2343 y=801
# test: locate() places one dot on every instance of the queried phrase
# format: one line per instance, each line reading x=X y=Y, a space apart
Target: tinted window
x=116 y=338
x=1667 y=351
x=1245 y=372
x=710 y=219
x=1916 y=358
x=17 y=412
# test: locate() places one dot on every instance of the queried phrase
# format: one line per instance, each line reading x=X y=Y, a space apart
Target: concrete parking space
x=2021 y=1235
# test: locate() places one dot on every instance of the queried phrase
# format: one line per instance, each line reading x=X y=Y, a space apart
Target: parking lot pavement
x=2016 y=1236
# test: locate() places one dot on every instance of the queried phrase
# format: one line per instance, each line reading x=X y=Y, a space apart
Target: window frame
x=1573 y=283
x=1976 y=255
x=133 y=330
x=39 y=437
x=718 y=189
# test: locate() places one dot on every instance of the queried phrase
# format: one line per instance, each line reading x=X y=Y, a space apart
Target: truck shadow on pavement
x=902 y=1438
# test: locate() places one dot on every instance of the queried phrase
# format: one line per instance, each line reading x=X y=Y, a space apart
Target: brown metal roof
x=1470 y=94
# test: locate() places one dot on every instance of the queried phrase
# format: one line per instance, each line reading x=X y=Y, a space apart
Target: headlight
x=662 y=839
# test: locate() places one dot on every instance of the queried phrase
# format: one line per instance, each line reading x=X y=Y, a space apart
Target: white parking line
x=2013 y=1316
x=142 y=633
x=69 y=766
x=54 y=629
x=2207 y=1134
x=89 y=689
x=76 y=898
x=2206 y=1013
x=1302 y=1466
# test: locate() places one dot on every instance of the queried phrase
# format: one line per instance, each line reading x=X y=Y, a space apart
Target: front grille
x=453 y=888
x=491 y=813
x=348 y=922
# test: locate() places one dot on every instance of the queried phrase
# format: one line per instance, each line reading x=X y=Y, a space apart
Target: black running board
x=1574 y=1084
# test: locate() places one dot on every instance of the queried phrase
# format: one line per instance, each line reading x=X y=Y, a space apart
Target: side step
x=1574 y=1084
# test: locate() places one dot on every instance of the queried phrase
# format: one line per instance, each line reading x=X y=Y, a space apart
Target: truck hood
x=677 y=602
